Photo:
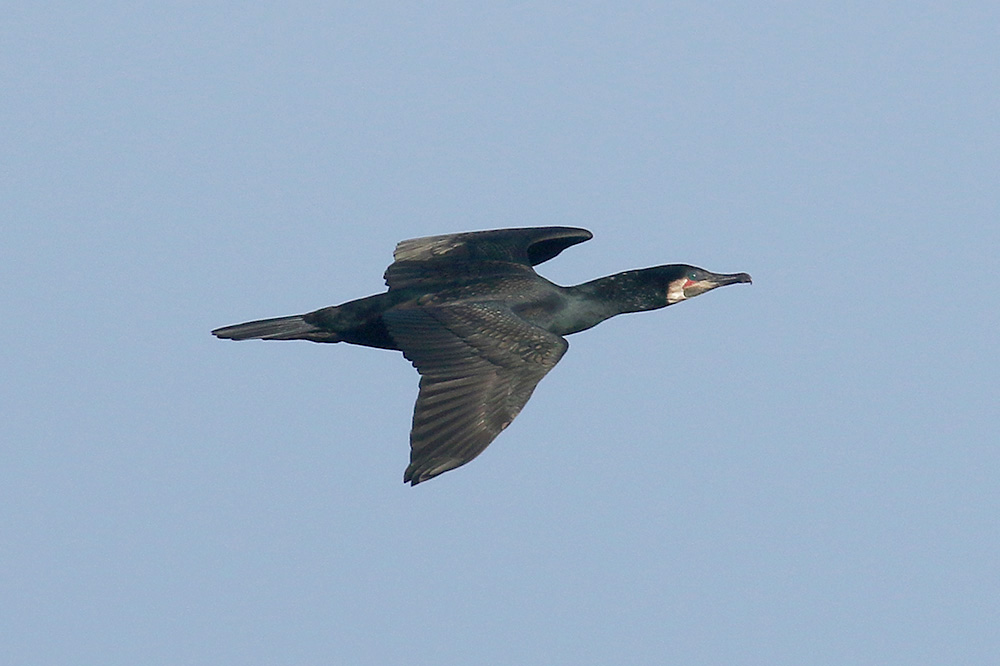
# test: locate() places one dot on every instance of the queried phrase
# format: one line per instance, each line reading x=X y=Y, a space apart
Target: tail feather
x=279 y=328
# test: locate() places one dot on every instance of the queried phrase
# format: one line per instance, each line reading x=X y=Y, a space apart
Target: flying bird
x=481 y=327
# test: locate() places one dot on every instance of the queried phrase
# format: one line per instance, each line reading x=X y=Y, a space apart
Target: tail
x=280 y=328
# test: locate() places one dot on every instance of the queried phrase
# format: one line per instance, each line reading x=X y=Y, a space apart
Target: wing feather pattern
x=433 y=259
x=478 y=365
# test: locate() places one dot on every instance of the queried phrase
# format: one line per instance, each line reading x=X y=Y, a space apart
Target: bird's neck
x=592 y=302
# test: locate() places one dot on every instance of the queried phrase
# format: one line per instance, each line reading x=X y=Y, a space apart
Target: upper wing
x=478 y=365
x=424 y=260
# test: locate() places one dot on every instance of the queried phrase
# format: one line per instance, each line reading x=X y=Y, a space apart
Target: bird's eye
x=693 y=276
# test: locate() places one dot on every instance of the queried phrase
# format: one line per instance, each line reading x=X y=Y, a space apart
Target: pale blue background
x=804 y=471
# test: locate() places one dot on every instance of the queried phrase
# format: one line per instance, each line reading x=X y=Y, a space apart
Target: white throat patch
x=675 y=292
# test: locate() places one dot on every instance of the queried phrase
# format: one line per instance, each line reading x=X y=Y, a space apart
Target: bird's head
x=685 y=281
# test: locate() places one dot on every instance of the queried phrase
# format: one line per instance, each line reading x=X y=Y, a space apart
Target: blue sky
x=801 y=471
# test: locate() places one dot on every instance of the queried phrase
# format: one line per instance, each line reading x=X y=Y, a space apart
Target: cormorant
x=480 y=326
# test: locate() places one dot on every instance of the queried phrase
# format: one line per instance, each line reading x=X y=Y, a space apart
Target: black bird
x=480 y=326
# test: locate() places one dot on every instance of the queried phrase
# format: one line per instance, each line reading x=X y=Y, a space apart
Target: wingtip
x=413 y=476
x=420 y=471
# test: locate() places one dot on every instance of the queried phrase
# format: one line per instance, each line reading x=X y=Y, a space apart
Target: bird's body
x=481 y=327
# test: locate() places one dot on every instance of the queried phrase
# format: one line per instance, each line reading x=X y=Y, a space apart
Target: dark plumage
x=481 y=327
